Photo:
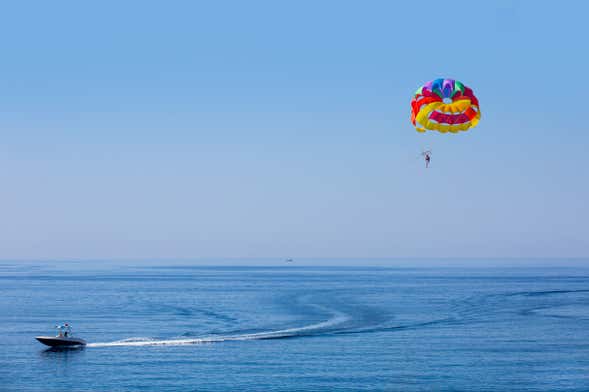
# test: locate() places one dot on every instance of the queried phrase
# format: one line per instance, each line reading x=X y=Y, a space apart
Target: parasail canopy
x=444 y=105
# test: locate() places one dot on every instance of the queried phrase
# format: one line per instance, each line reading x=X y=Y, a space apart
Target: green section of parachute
x=458 y=87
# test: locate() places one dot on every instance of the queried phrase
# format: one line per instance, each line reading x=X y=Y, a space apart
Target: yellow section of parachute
x=423 y=122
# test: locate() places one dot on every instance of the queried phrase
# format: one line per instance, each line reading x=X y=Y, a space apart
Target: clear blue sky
x=257 y=129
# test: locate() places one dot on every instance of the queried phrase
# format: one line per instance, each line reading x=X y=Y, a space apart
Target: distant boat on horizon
x=289 y=260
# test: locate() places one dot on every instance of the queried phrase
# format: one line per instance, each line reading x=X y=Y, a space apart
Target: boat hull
x=53 y=341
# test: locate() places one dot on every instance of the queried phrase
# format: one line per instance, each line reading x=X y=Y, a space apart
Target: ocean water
x=294 y=328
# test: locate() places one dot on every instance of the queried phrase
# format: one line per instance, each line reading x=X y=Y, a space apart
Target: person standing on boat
x=64 y=330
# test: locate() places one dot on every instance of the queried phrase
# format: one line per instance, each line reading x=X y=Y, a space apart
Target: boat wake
x=337 y=318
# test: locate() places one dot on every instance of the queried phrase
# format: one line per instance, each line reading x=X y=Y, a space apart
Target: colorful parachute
x=444 y=105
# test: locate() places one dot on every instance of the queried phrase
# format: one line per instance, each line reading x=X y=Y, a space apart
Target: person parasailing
x=427 y=156
x=446 y=106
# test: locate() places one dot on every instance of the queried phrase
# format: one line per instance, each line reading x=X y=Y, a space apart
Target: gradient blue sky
x=258 y=129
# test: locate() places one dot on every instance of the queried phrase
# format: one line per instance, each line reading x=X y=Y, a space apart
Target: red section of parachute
x=451 y=119
x=419 y=101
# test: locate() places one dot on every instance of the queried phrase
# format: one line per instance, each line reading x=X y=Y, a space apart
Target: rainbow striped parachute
x=444 y=105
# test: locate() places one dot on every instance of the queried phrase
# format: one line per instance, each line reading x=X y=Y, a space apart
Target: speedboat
x=64 y=338
x=57 y=341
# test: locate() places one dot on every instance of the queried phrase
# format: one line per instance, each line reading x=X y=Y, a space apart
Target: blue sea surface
x=293 y=328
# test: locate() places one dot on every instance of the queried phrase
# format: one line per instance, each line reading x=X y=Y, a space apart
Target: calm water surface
x=157 y=328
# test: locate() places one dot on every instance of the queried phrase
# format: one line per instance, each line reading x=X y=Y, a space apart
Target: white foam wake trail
x=338 y=318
